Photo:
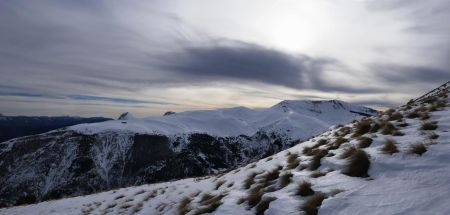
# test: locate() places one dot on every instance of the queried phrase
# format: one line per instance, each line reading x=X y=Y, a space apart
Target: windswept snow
x=401 y=183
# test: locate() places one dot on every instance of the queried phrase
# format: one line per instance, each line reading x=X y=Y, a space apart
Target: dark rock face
x=65 y=163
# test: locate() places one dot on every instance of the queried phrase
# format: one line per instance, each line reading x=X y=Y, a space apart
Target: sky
x=106 y=57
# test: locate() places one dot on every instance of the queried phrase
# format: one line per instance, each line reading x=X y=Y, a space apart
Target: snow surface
x=402 y=183
x=299 y=118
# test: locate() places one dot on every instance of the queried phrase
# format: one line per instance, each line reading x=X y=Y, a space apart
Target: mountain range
x=89 y=158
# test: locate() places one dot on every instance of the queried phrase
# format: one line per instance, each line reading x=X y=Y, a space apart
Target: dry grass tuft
x=428 y=126
x=315 y=162
x=362 y=127
x=418 y=149
x=337 y=143
x=292 y=161
x=304 y=189
x=317 y=174
x=396 y=117
x=364 y=142
x=434 y=136
x=219 y=184
x=313 y=203
x=254 y=196
x=264 y=205
x=119 y=196
x=389 y=147
x=285 y=179
x=388 y=129
x=250 y=180
x=347 y=152
x=271 y=176
x=358 y=164
x=209 y=203
x=184 y=206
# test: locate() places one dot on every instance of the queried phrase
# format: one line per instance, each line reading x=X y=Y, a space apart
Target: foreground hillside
x=89 y=158
x=395 y=163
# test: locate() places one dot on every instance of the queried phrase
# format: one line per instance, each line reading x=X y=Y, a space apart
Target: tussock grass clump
x=424 y=116
x=434 y=136
x=285 y=179
x=254 y=196
x=375 y=127
x=184 y=206
x=307 y=150
x=358 y=164
x=250 y=180
x=264 y=205
x=304 y=189
x=219 y=184
x=388 y=128
x=271 y=175
x=139 y=192
x=321 y=142
x=438 y=105
x=343 y=131
x=428 y=126
x=349 y=151
x=362 y=127
x=313 y=203
x=119 y=197
x=396 y=117
x=251 y=166
x=389 y=147
x=413 y=114
x=337 y=143
x=209 y=203
x=364 y=142
x=315 y=162
x=418 y=149
x=317 y=174
x=292 y=161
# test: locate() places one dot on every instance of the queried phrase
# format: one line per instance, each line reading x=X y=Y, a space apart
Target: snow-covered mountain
x=299 y=119
x=393 y=163
x=88 y=158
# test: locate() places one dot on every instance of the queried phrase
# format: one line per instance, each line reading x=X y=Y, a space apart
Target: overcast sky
x=92 y=58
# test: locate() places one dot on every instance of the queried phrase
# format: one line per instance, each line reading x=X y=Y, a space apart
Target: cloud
x=404 y=74
x=155 y=53
x=240 y=61
x=115 y=100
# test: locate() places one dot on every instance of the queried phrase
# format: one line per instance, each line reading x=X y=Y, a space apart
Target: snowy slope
x=399 y=180
x=302 y=118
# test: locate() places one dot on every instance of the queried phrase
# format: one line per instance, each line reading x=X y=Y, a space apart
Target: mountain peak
x=125 y=116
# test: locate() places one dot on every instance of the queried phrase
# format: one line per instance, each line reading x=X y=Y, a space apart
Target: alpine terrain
x=392 y=163
x=89 y=158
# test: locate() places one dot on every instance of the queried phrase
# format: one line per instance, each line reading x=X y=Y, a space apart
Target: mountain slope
x=395 y=163
x=88 y=158
x=19 y=126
